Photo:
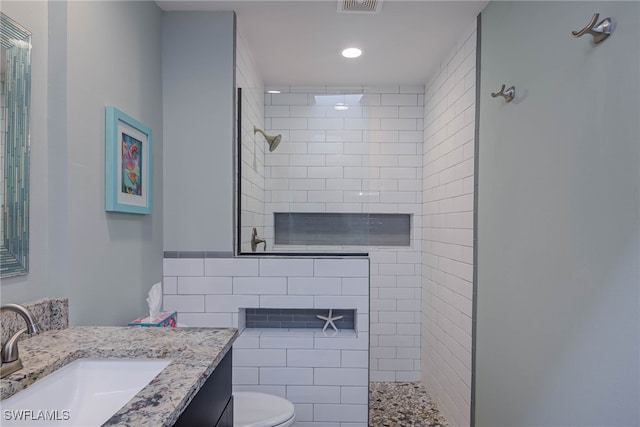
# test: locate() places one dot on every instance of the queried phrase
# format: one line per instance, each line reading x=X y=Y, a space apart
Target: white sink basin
x=86 y=392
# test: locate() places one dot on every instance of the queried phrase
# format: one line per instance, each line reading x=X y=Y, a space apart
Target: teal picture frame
x=128 y=163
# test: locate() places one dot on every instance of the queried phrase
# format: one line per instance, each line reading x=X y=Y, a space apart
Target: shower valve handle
x=255 y=240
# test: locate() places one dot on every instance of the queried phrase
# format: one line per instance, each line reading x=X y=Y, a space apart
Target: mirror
x=15 y=90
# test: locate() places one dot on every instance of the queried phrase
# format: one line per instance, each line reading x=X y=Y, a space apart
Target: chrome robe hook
x=508 y=94
x=599 y=31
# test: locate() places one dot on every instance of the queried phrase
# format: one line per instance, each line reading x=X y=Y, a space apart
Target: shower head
x=273 y=141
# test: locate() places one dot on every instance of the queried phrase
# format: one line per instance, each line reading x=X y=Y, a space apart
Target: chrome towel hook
x=599 y=31
x=508 y=94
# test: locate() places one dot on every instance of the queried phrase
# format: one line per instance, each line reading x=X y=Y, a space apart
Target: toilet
x=252 y=409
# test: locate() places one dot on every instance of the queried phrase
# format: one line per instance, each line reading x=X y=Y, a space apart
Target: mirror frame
x=14 y=245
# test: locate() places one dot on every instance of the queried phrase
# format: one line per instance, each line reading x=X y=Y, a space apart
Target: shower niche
x=325 y=171
x=341 y=229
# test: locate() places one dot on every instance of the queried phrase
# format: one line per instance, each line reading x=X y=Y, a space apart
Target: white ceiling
x=298 y=42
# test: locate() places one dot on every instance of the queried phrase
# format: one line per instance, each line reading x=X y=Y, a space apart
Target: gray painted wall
x=104 y=262
x=558 y=218
x=115 y=257
x=198 y=68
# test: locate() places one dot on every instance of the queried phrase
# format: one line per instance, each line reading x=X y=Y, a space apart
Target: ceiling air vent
x=359 y=6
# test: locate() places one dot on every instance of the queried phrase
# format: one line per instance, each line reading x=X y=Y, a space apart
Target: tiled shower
x=392 y=150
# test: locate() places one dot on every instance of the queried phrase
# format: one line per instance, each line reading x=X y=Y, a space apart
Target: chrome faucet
x=10 y=358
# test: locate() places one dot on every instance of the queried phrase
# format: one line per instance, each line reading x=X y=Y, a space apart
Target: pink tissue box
x=167 y=319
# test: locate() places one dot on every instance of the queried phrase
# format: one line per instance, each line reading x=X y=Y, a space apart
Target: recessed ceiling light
x=351 y=52
x=341 y=107
x=273 y=91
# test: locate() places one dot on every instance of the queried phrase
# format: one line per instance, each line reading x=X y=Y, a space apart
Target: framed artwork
x=128 y=164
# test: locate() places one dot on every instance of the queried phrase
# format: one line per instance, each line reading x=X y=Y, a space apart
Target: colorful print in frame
x=128 y=164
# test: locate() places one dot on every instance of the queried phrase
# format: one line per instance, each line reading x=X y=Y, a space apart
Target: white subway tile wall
x=448 y=173
x=365 y=159
x=326 y=376
x=253 y=146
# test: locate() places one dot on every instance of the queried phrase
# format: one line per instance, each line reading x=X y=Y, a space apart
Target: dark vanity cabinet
x=226 y=419
x=213 y=405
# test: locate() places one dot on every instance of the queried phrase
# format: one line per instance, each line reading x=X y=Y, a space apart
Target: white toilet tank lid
x=252 y=409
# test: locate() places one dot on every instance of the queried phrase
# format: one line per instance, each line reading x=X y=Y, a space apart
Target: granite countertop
x=195 y=353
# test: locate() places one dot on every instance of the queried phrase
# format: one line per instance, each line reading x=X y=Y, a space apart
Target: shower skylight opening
x=338 y=99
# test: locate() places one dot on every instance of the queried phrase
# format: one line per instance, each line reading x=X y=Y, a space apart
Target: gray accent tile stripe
x=476 y=161
x=197 y=254
x=289 y=255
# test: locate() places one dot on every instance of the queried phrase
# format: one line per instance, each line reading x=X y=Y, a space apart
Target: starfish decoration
x=329 y=320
